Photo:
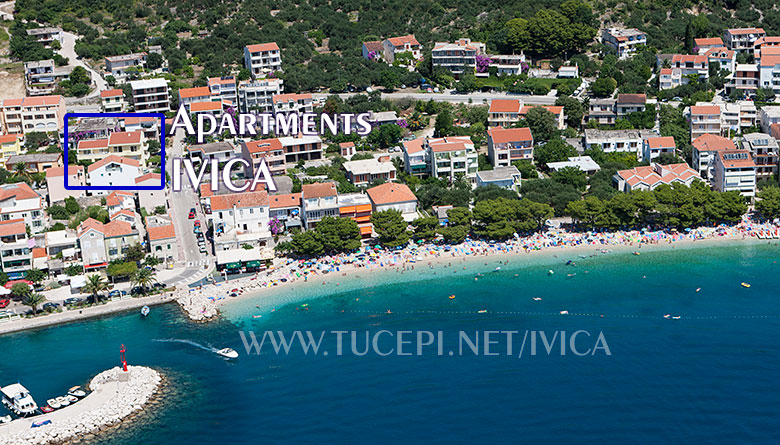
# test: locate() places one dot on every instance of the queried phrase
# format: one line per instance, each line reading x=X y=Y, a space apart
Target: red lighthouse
x=122 y=357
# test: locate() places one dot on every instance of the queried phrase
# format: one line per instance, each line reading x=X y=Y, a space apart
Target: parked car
x=138 y=290
x=196 y=223
x=202 y=248
x=51 y=306
x=4 y=303
x=158 y=285
x=114 y=293
x=207 y=209
x=72 y=301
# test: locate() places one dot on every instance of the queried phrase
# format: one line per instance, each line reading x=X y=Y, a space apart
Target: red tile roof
x=689 y=58
x=747 y=162
x=206 y=106
x=290 y=97
x=19 y=190
x=125 y=137
x=318 y=190
x=263 y=47
x=54 y=172
x=705 y=109
x=501 y=135
x=390 y=193
x=111 y=159
x=90 y=224
x=264 y=145
x=161 y=232
x=403 y=40
x=117 y=228
x=736 y=31
x=504 y=106
x=38 y=101
x=125 y=212
x=285 y=200
x=156 y=177
x=92 y=143
x=374 y=45
x=346 y=144
x=556 y=110
x=711 y=142
x=240 y=200
x=111 y=93
x=194 y=92
x=39 y=252
x=661 y=142
x=448 y=146
x=9 y=138
x=631 y=99
x=708 y=41
x=12 y=227
x=651 y=174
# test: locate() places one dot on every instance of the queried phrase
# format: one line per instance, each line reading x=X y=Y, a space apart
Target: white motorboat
x=54 y=403
x=6 y=419
x=63 y=401
x=145 y=311
x=76 y=391
x=72 y=399
x=228 y=353
x=18 y=399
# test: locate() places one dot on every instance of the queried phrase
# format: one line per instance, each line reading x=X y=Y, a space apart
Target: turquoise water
x=709 y=376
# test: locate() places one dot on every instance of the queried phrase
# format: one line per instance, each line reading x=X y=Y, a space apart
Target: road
x=476 y=98
x=68 y=50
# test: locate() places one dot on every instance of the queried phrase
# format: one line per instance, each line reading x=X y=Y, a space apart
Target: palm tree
x=144 y=278
x=95 y=285
x=33 y=300
x=20 y=170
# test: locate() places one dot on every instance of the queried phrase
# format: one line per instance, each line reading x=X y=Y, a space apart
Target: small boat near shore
x=228 y=353
x=18 y=400
x=746 y=285
x=54 y=403
x=76 y=391
x=145 y=311
x=5 y=419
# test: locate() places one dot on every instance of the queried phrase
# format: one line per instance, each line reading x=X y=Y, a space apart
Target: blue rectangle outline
x=160 y=116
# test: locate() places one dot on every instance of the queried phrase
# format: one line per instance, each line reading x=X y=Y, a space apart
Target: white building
x=452 y=157
x=113 y=101
x=621 y=141
x=504 y=177
x=392 y=195
x=582 y=163
x=742 y=39
x=504 y=112
x=506 y=145
x=113 y=171
x=735 y=170
x=151 y=199
x=240 y=218
x=257 y=95
x=651 y=176
x=705 y=149
x=55 y=183
x=293 y=103
x=656 y=146
x=366 y=171
x=262 y=59
x=458 y=56
x=624 y=41
x=150 y=96
x=19 y=201
x=404 y=44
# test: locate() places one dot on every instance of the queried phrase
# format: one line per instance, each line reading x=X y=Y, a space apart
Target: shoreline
x=114 y=397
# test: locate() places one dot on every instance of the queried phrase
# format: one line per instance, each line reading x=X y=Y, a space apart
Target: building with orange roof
x=706 y=43
x=119 y=236
x=33 y=114
x=151 y=200
x=691 y=65
x=162 y=241
x=55 y=183
x=262 y=59
x=112 y=171
x=189 y=96
x=286 y=208
x=452 y=157
x=120 y=199
x=392 y=195
x=726 y=58
x=293 y=103
x=456 y=56
x=270 y=150
x=506 y=145
x=415 y=157
x=20 y=201
x=669 y=78
x=735 y=170
x=347 y=150
x=125 y=215
x=769 y=72
x=742 y=39
x=651 y=176
x=113 y=101
x=318 y=200
x=762 y=44
x=224 y=88
x=705 y=148
x=504 y=112
x=240 y=218
x=397 y=45
x=34 y=162
x=92 y=242
x=129 y=144
x=766 y=153
x=557 y=111
x=16 y=257
x=373 y=50
x=624 y=41
x=654 y=147
x=10 y=145
x=704 y=119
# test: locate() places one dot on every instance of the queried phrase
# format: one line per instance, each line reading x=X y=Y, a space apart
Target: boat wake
x=208 y=348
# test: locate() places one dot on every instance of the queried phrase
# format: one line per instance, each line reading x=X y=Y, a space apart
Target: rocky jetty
x=113 y=397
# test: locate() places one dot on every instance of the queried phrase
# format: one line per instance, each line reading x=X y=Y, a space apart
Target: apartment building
x=118 y=66
x=162 y=242
x=55 y=183
x=46 y=36
x=240 y=218
x=150 y=96
x=222 y=151
x=118 y=236
x=42 y=76
x=33 y=114
x=452 y=157
x=393 y=196
x=257 y=95
x=151 y=199
x=504 y=112
x=506 y=145
x=511 y=64
x=735 y=170
x=765 y=43
x=704 y=119
x=92 y=243
x=113 y=101
x=129 y=144
x=19 y=201
x=262 y=59
x=286 y=208
x=112 y=171
x=705 y=149
x=764 y=149
x=458 y=57
x=301 y=148
x=624 y=41
x=602 y=111
x=10 y=145
x=769 y=73
x=415 y=157
x=669 y=78
x=357 y=207
x=707 y=43
x=768 y=116
x=742 y=39
x=189 y=96
x=621 y=141
x=630 y=103
x=656 y=146
x=293 y=103
x=224 y=88
x=347 y=150
x=405 y=44
x=318 y=200
x=651 y=176
x=691 y=65
x=745 y=79
x=271 y=150
x=504 y=177
x=16 y=256
x=725 y=58
x=367 y=171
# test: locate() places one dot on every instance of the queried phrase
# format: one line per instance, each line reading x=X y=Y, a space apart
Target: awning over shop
x=253 y=264
x=233 y=265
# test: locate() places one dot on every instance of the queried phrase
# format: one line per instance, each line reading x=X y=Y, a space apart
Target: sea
x=465 y=351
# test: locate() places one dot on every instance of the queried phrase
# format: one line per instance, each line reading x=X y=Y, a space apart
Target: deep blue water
x=711 y=376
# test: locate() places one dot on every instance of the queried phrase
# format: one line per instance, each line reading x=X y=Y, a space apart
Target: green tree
x=555 y=150
x=444 y=123
x=425 y=228
x=768 y=204
x=143 y=278
x=35 y=275
x=95 y=285
x=542 y=123
x=71 y=205
x=135 y=253
x=20 y=289
x=33 y=300
x=573 y=109
x=390 y=227
x=603 y=87
x=338 y=234
x=154 y=61
x=572 y=176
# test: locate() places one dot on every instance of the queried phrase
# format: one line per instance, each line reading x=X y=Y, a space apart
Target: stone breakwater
x=110 y=401
x=197 y=304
